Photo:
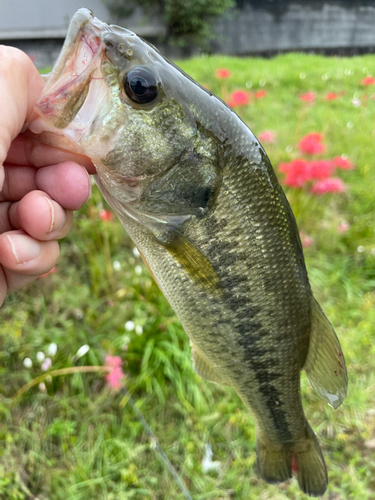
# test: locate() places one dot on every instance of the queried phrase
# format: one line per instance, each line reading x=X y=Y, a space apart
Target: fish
x=196 y=192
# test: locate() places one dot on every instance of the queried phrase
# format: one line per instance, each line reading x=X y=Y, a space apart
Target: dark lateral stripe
x=244 y=321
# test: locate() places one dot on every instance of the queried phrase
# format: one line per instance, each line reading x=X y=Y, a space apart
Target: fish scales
x=197 y=194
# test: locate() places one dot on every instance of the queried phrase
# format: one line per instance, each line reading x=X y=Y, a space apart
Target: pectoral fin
x=191 y=259
x=325 y=365
x=203 y=368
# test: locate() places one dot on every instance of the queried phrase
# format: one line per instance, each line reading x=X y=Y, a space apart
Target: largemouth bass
x=197 y=194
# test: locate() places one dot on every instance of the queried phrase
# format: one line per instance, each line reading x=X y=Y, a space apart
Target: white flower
x=129 y=326
x=27 y=363
x=361 y=249
x=84 y=349
x=249 y=84
x=42 y=387
x=52 y=349
x=356 y=102
x=289 y=149
x=207 y=463
x=136 y=252
x=126 y=340
x=47 y=364
x=40 y=356
x=372 y=251
x=262 y=83
x=138 y=330
x=138 y=270
x=116 y=265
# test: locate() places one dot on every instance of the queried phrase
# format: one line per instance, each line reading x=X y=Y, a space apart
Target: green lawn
x=77 y=440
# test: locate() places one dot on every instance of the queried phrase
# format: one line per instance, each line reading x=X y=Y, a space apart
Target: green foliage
x=186 y=21
x=75 y=439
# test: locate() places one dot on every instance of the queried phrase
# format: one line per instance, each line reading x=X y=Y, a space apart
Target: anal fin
x=325 y=365
x=203 y=368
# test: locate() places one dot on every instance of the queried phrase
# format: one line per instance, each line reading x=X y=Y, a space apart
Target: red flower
x=321 y=169
x=267 y=137
x=238 y=98
x=105 y=214
x=343 y=163
x=331 y=96
x=311 y=144
x=222 y=73
x=115 y=376
x=331 y=185
x=308 y=97
x=297 y=172
x=259 y=94
x=369 y=80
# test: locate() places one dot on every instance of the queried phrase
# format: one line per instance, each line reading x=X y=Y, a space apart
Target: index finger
x=29 y=152
x=20 y=87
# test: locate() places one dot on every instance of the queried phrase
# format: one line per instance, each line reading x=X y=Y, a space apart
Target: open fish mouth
x=78 y=64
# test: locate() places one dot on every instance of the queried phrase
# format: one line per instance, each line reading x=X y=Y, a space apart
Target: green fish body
x=197 y=194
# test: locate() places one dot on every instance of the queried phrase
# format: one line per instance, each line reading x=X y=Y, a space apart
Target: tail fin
x=277 y=462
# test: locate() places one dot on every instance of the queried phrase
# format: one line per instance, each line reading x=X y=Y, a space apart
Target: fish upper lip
x=84 y=28
x=76 y=65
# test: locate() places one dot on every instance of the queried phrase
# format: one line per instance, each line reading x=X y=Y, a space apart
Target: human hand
x=35 y=203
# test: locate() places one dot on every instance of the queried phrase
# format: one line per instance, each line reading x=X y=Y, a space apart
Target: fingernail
x=23 y=247
x=55 y=224
x=89 y=179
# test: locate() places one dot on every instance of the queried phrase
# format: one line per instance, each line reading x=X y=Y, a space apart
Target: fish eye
x=141 y=85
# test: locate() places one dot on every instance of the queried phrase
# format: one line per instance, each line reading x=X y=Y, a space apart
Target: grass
x=75 y=439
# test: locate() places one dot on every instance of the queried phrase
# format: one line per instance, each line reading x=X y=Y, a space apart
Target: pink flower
x=308 y=97
x=321 y=169
x=267 y=137
x=311 y=144
x=238 y=98
x=306 y=240
x=369 y=80
x=259 y=94
x=105 y=214
x=297 y=172
x=331 y=96
x=343 y=227
x=222 y=73
x=46 y=364
x=331 y=185
x=342 y=162
x=115 y=375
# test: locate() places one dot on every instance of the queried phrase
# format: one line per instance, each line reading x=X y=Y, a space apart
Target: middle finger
x=25 y=150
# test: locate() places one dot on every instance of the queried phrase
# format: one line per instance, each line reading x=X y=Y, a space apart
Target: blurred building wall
x=255 y=26
x=280 y=25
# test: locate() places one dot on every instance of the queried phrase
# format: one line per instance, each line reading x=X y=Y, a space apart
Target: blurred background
x=96 y=329
x=182 y=28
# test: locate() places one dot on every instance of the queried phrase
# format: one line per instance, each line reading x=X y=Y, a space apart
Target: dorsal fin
x=325 y=365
